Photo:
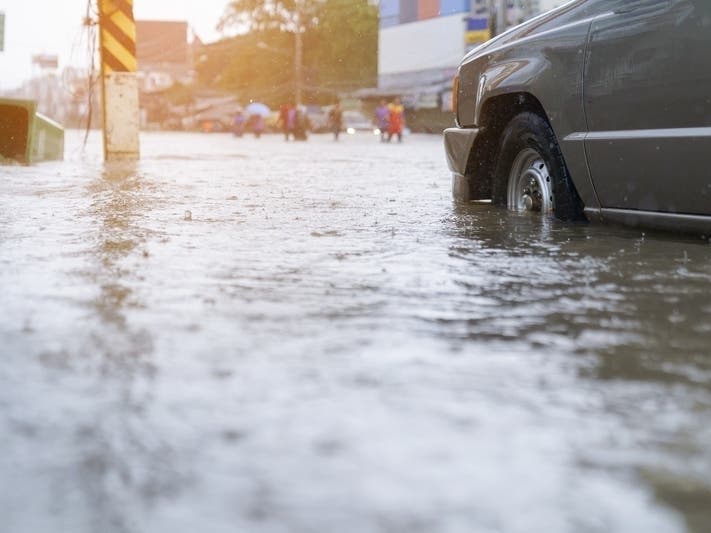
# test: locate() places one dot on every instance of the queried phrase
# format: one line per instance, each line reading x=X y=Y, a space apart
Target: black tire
x=528 y=133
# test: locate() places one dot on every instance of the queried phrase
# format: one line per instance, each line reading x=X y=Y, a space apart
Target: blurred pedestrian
x=257 y=125
x=287 y=119
x=381 y=115
x=396 y=119
x=301 y=124
x=238 y=123
x=335 y=120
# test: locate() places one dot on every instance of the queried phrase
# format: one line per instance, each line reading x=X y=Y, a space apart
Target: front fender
x=547 y=66
x=515 y=76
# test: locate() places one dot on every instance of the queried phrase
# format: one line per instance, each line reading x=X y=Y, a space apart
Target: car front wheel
x=531 y=174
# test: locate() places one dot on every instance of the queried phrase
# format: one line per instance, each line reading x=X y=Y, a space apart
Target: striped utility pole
x=119 y=84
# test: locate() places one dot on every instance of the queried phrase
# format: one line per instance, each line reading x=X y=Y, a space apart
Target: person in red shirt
x=396 y=119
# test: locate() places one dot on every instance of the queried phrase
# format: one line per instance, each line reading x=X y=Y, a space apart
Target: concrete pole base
x=121 y=116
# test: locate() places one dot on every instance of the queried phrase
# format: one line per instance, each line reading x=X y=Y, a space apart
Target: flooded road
x=259 y=336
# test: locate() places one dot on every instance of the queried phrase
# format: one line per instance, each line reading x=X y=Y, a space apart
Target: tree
x=344 y=44
x=339 y=53
x=239 y=65
x=265 y=15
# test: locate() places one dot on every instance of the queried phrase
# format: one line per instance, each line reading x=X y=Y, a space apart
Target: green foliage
x=265 y=15
x=339 y=49
x=245 y=65
x=344 y=44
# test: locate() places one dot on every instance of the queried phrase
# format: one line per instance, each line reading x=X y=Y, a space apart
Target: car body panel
x=354 y=120
x=648 y=106
x=458 y=143
x=532 y=59
x=640 y=147
x=318 y=118
x=655 y=220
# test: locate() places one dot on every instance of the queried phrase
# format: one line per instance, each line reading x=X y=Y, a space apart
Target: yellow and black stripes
x=118 y=36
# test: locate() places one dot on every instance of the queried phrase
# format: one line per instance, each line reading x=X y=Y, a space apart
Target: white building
x=421 y=43
x=417 y=35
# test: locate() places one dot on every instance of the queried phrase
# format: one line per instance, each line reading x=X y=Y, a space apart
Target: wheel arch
x=539 y=70
x=495 y=113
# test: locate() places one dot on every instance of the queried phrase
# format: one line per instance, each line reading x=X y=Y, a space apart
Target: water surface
x=253 y=335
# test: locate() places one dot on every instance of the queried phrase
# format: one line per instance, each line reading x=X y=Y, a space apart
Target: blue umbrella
x=257 y=108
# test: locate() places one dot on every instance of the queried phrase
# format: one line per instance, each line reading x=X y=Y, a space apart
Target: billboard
x=396 y=12
x=477 y=31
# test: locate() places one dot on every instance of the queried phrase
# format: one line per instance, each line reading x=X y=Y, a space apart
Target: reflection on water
x=125 y=462
x=118 y=203
x=327 y=344
x=634 y=310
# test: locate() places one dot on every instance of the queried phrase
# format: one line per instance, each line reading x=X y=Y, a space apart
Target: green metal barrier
x=27 y=136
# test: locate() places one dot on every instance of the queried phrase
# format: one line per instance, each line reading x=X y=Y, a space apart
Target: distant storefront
x=421 y=43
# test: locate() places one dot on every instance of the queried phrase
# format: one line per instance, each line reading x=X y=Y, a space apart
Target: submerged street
x=240 y=334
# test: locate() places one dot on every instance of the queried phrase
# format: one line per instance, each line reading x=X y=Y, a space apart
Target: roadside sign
x=2 y=31
x=477 y=30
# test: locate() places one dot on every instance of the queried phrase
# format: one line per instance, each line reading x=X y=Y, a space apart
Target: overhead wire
x=90 y=23
x=85 y=38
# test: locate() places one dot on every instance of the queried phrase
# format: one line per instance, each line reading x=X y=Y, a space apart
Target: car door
x=647 y=99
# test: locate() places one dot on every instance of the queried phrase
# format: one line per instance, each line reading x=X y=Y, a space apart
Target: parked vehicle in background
x=318 y=118
x=208 y=123
x=355 y=121
x=597 y=109
x=211 y=114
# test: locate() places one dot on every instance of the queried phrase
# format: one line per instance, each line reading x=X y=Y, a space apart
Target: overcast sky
x=55 y=27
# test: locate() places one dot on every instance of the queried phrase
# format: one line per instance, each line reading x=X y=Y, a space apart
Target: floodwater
x=241 y=335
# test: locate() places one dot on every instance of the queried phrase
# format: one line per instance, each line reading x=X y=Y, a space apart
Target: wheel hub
x=530 y=186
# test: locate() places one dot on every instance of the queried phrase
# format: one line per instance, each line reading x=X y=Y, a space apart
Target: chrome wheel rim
x=530 y=186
